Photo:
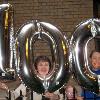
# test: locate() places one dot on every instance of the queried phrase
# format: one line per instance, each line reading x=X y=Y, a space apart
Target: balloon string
x=45 y=83
x=39 y=30
x=93 y=29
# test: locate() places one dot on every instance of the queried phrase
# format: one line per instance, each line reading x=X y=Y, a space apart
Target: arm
x=79 y=93
x=52 y=96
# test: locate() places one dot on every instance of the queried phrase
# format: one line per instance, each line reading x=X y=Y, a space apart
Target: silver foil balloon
x=6 y=42
x=84 y=32
x=26 y=36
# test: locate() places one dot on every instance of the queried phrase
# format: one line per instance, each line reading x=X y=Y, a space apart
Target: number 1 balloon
x=6 y=42
x=78 y=45
x=26 y=36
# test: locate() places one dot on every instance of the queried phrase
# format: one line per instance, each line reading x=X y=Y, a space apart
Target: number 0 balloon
x=26 y=36
x=81 y=36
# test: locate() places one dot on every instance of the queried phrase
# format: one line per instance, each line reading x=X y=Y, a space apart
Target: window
x=96 y=8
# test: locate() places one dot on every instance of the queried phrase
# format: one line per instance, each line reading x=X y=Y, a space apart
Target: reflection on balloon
x=78 y=46
x=26 y=36
x=6 y=42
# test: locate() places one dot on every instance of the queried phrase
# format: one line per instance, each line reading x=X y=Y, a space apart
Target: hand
x=51 y=96
x=79 y=98
x=3 y=86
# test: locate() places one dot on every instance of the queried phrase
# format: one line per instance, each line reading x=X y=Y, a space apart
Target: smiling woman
x=95 y=68
x=95 y=59
x=42 y=65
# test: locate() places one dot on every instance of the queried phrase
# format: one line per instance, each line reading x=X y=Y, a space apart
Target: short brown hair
x=93 y=52
x=42 y=58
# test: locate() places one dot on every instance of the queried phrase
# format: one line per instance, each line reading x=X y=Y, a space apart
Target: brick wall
x=65 y=14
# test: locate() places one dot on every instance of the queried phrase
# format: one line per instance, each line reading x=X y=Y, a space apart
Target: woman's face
x=43 y=68
x=95 y=60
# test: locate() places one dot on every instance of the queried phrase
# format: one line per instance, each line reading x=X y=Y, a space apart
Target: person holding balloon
x=95 y=68
x=95 y=61
x=43 y=66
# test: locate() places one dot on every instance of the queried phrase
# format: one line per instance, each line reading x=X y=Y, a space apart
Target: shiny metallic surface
x=26 y=36
x=6 y=42
x=84 y=32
